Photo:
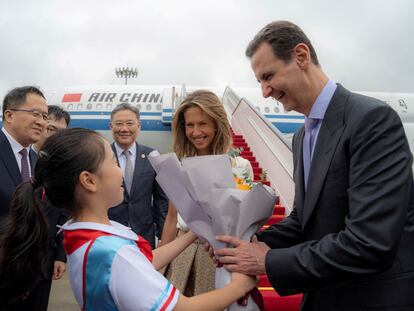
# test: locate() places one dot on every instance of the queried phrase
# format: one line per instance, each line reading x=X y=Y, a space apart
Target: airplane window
x=99 y=107
x=158 y=107
x=276 y=109
x=89 y=106
x=258 y=108
x=79 y=106
x=148 y=107
x=108 y=106
x=70 y=106
x=267 y=109
x=139 y=106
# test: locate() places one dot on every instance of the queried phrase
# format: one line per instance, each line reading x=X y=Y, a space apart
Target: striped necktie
x=129 y=170
x=25 y=171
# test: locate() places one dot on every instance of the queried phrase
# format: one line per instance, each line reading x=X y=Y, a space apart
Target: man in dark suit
x=58 y=120
x=348 y=243
x=145 y=204
x=24 y=117
x=54 y=263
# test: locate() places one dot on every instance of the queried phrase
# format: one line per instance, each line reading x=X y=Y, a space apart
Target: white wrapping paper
x=203 y=191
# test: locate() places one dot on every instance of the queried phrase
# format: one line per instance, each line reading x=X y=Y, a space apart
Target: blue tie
x=308 y=141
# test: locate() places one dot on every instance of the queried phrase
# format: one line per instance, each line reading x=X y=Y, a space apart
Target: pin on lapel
x=142 y=155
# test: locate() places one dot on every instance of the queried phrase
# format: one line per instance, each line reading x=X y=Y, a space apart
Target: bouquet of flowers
x=204 y=192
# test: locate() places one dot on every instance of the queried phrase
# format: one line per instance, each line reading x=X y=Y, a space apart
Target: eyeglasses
x=120 y=124
x=35 y=113
x=51 y=129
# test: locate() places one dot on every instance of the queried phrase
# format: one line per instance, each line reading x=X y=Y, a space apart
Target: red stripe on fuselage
x=71 y=98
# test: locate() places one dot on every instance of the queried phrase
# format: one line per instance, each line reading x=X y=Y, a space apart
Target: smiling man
x=348 y=243
x=145 y=204
x=24 y=118
x=54 y=262
x=58 y=120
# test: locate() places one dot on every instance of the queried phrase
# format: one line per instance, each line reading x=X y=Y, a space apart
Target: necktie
x=308 y=142
x=129 y=171
x=25 y=171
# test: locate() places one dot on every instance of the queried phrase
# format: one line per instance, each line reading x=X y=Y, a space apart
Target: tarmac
x=61 y=297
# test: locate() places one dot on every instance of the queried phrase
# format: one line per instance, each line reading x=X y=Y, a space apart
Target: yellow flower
x=240 y=184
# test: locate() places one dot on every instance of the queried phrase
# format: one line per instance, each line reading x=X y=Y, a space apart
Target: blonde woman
x=200 y=127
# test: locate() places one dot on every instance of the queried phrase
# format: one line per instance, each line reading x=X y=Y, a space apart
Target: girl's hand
x=192 y=235
x=246 y=282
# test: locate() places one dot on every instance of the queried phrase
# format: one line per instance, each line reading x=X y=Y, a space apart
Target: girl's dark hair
x=23 y=241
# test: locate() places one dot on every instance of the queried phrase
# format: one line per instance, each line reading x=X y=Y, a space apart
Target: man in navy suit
x=54 y=263
x=348 y=243
x=24 y=118
x=145 y=204
x=25 y=115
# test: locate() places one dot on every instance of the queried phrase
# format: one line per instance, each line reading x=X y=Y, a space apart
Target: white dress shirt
x=16 y=147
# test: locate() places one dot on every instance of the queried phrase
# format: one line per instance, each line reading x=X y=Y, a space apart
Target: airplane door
x=169 y=101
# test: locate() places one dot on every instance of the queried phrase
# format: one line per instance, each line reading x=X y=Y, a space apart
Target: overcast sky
x=366 y=45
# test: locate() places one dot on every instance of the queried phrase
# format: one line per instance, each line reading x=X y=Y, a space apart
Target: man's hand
x=58 y=269
x=245 y=257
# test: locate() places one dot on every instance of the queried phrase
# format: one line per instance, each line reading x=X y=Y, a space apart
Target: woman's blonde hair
x=210 y=104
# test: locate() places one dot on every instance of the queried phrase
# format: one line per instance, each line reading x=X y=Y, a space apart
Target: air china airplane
x=90 y=107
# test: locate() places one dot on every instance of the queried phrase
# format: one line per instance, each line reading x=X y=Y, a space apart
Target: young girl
x=200 y=127
x=110 y=266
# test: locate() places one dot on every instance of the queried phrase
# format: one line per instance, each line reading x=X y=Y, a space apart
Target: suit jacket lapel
x=117 y=160
x=114 y=150
x=329 y=136
x=33 y=160
x=138 y=167
x=7 y=156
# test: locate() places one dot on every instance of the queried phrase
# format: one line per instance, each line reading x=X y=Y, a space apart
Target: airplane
x=90 y=107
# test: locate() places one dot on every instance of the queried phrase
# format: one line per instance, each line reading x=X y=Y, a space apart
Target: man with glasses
x=24 y=118
x=145 y=204
x=54 y=263
x=58 y=119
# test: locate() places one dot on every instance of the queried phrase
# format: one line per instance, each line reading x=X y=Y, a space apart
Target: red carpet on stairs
x=271 y=298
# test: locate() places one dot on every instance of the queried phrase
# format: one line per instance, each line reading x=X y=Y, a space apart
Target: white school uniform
x=110 y=269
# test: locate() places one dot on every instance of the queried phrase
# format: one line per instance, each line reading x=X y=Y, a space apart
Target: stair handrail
x=268 y=123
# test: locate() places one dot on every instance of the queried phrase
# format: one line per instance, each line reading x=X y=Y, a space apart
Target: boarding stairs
x=271 y=298
x=272 y=152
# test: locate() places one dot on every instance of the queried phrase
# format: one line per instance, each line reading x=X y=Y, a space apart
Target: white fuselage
x=90 y=107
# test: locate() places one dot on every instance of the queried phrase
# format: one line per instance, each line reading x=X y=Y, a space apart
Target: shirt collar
x=115 y=228
x=16 y=147
x=119 y=150
x=34 y=149
x=322 y=102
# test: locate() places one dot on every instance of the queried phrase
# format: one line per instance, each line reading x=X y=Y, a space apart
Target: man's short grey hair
x=125 y=106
